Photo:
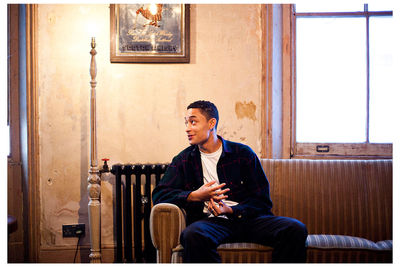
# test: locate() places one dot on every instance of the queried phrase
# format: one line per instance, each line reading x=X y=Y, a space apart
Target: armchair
x=167 y=221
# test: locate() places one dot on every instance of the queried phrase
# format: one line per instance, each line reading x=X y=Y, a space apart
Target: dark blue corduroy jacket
x=238 y=167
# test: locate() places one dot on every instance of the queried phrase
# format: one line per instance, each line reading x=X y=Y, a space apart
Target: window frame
x=335 y=150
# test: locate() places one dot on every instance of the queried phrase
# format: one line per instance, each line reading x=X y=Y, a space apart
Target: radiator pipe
x=138 y=170
x=149 y=250
x=117 y=171
x=128 y=214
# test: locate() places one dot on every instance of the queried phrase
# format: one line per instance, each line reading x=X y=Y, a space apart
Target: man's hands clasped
x=214 y=195
x=219 y=208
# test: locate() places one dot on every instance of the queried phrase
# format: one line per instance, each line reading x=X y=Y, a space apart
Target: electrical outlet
x=73 y=230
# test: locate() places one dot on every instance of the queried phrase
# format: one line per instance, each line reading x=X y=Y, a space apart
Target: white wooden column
x=94 y=187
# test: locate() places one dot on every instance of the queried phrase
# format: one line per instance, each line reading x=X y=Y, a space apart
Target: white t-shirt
x=209 y=163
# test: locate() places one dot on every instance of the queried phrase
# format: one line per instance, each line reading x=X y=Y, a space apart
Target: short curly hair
x=208 y=109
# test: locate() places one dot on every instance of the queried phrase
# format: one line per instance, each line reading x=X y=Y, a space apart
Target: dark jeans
x=286 y=235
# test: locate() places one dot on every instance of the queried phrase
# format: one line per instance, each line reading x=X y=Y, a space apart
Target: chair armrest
x=167 y=221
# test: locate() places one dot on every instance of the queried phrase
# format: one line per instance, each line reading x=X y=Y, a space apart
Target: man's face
x=198 y=129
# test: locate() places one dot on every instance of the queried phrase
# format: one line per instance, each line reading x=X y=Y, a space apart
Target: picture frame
x=149 y=33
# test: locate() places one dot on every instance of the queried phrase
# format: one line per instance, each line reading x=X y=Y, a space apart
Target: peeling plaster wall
x=140 y=107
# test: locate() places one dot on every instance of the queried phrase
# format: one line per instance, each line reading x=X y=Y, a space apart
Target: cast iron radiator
x=146 y=177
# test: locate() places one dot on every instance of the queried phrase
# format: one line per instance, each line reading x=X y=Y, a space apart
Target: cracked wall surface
x=140 y=107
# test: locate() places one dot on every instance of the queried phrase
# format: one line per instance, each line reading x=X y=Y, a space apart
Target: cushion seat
x=343 y=241
x=315 y=241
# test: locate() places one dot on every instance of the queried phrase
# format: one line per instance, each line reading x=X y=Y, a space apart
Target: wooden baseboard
x=67 y=254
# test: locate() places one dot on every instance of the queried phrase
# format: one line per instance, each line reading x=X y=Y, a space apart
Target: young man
x=225 y=193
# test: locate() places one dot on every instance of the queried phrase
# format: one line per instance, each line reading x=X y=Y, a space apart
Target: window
x=343 y=86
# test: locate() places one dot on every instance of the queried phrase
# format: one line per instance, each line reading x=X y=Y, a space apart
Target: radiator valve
x=105 y=166
x=144 y=200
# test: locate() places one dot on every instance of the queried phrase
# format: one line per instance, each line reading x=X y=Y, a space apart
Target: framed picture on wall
x=158 y=33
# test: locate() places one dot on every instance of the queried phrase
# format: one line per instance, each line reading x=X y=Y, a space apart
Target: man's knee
x=188 y=234
x=297 y=229
x=193 y=233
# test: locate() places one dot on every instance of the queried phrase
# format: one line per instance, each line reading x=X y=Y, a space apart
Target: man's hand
x=207 y=192
x=219 y=208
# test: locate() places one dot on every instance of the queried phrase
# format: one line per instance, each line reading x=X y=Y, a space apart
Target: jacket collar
x=226 y=148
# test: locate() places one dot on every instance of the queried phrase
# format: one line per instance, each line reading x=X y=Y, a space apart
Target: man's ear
x=212 y=123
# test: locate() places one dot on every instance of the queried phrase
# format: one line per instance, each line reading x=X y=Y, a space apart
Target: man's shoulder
x=186 y=153
x=238 y=148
